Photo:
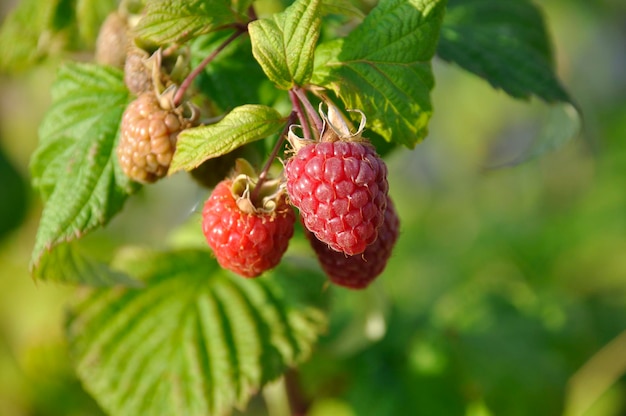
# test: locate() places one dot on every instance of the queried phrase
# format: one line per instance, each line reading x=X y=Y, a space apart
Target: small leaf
x=170 y=21
x=284 y=44
x=383 y=67
x=196 y=340
x=243 y=125
x=69 y=263
x=504 y=42
x=75 y=166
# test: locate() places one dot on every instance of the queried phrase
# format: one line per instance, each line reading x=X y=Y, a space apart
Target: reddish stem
x=263 y=175
x=297 y=401
x=311 y=112
x=180 y=93
x=304 y=121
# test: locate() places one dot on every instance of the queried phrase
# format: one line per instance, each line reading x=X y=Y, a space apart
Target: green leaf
x=383 y=67
x=504 y=42
x=75 y=166
x=70 y=263
x=196 y=340
x=222 y=79
x=170 y=21
x=243 y=125
x=341 y=7
x=27 y=35
x=284 y=44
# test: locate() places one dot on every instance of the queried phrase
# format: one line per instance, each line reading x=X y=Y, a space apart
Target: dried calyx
x=262 y=201
x=336 y=128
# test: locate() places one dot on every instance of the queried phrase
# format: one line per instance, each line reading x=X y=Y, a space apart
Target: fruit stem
x=304 y=121
x=184 y=86
x=311 y=112
x=263 y=175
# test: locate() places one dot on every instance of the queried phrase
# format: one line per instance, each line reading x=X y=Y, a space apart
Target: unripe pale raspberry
x=247 y=243
x=137 y=70
x=112 y=40
x=341 y=189
x=148 y=138
x=357 y=272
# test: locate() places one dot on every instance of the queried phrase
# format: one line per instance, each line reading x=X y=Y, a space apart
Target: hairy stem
x=311 y=112
x=180 y=93
x=304 y=121
x=263 y=175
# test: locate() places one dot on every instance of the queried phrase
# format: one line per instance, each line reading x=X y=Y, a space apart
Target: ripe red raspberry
x=341 y=189
x=148 y=138
x=246 y=241
x=357 y=272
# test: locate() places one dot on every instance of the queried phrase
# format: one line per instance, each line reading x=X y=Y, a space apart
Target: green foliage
x=36 y=29
x=504 y=42
x=170 y=332
x=75 y=166
x=72 y=264
x=284 y=44
x=200 y=351
x=21 y=36
x=223 y=79
x=14 y=189
x=181 y=20
x=241 y=126
x=383 y=67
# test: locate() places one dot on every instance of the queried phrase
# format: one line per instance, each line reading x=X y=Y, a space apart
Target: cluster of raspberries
x=339 y=185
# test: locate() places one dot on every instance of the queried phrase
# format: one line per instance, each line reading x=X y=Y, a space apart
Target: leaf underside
x=506 y=43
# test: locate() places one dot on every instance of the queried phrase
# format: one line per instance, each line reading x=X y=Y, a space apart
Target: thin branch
x=263 y=175
x=304 y=120
x=180 y=93
x=311 y=112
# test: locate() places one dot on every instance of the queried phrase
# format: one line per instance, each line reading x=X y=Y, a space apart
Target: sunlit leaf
x=75 y=166
x=196 y=340
x=383 y=67
x=284 y=44
x=241 y=126
x=168 y=21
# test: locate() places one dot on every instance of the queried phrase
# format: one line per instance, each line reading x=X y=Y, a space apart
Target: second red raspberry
x=340 y=188
x=247 y=243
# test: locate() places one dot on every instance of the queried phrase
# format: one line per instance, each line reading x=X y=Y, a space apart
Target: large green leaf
x=383 y=67
x=75 y=166
x=196 y=340
x=504 y=42
x=284 y=44
x=241 y=126
x=168 y=21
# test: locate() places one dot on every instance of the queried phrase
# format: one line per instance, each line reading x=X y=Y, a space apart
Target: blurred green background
x=506 y=294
